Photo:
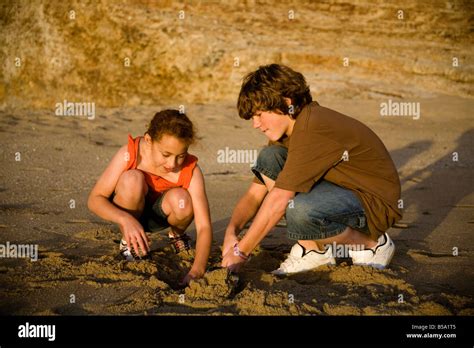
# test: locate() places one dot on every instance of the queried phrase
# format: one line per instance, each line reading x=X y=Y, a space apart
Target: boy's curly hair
x=171 y=122
x=266 y=88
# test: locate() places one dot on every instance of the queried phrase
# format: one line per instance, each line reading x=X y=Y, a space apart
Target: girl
x=153 y=182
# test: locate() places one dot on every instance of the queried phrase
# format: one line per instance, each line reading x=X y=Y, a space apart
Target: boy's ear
x=291 y=108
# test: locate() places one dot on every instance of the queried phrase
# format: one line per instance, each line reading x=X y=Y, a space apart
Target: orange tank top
x=156 y=184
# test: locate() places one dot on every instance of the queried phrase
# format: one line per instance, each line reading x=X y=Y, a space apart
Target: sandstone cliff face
x=153 y=52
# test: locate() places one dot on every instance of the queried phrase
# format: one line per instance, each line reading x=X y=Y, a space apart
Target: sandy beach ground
x=62 y=157
x=134 y=58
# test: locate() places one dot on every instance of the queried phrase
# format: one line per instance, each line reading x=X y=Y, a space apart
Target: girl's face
x=274 y=125
x=167 y=154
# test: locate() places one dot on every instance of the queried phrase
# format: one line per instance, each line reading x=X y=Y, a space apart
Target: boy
x=328 y=173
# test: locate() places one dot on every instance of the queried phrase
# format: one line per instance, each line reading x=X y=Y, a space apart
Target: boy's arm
x=271 y=211
x=202 y=222
x=245 y=209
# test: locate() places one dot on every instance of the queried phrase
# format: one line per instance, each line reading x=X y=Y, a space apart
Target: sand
x=49 y=163
x=104 y=285
x=61 y=159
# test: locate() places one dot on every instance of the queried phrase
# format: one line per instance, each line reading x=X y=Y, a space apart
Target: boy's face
x=169 y=153
x=273 y=124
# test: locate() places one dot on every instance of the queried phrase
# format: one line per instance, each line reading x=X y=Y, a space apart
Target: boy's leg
x=328 y=214
x=348 y=236
x=269 y=164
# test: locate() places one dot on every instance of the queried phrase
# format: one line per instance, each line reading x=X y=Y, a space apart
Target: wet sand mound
x=217 y=285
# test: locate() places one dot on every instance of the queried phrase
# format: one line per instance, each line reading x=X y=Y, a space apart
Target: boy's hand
x=232 y=261
x=230 y=239
x=135 y=236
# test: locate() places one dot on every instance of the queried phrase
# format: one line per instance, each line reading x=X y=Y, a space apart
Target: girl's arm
x=202 y=221
x=98 y=201
x=100 y=204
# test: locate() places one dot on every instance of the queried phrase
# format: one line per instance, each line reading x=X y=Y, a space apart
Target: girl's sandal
x=180 y=243
x=129 y=254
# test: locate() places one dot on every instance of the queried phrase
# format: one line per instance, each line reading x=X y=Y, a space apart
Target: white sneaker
x=379 y=257
x=299 y=260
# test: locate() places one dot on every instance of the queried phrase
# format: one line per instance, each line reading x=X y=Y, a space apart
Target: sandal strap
x=180 y=243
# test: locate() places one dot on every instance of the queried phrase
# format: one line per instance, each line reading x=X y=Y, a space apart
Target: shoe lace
x=290 y=262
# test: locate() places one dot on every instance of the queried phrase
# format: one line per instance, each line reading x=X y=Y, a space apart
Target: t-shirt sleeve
x=310 y=156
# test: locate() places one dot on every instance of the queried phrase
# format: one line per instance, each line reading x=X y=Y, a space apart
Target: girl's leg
x=177 y=205
x=130 y=192
x=130 y=195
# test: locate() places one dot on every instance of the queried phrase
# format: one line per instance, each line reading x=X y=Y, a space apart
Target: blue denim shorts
x=323 y=212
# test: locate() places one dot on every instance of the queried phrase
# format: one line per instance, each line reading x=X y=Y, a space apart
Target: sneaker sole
x=307 y=270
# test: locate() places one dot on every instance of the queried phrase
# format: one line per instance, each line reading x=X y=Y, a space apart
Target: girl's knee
x=180 y=203
x=132 y=182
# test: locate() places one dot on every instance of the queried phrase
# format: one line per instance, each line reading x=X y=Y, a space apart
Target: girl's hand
x=229 y=241
x=135 y=236
x=190 y=276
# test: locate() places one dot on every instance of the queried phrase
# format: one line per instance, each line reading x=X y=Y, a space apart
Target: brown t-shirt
x=340 y=149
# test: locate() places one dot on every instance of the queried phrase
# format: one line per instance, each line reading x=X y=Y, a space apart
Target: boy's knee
x=297 y=213
x=273 y=155
x=270 y=161
x=132 y=182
